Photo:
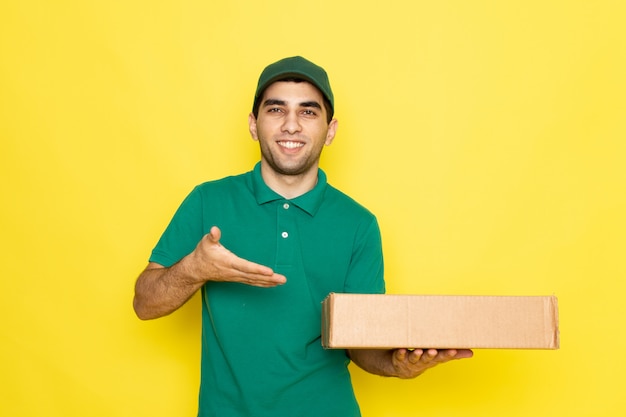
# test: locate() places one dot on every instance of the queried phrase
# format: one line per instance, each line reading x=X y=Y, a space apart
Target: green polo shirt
x=261 y=350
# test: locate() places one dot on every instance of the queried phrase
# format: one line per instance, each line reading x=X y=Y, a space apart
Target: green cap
x=295 y=67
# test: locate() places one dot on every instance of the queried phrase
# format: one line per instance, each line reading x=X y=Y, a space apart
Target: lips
x=289 y=144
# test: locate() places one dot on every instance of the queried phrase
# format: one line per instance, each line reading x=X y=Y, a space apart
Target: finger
x=252 y=273
x=450 y=354
x=265 y=282
x=251 y=269
x=415 y=356
x=464 y=354
x=429 y=355
x=215 y=234
x=400 y=355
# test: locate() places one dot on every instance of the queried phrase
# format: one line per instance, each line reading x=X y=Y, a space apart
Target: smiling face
x=292 y=129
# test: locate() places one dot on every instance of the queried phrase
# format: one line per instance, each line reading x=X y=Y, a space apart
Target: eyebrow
x=273 y=102
x=277 y=102
x=314 y=104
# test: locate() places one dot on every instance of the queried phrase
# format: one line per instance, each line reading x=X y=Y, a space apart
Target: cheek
x=264 y=133
x=265 y=128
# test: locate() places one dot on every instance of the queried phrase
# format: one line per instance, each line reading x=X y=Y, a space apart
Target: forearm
x=160 y=291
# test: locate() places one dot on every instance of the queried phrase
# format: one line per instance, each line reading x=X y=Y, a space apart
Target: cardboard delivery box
x=382 y=321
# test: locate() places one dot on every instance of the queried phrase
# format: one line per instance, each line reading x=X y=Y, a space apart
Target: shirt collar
x=309 y=201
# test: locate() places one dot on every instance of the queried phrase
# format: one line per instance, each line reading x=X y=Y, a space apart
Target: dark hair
x=329 y=113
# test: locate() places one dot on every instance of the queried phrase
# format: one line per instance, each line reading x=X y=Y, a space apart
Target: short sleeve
x=183 y=232
x=366 y=273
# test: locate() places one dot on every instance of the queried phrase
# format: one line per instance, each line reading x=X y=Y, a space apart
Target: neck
x=289 y=186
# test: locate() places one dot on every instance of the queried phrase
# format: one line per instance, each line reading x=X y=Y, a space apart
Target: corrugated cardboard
x=432 y=321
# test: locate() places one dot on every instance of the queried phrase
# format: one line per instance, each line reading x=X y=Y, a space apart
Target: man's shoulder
x=231 y=182
x=340 y=200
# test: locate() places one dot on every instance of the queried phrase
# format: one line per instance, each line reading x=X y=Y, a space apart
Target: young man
x=265 y=248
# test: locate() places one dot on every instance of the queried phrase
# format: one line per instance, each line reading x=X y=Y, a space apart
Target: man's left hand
x=409 y=363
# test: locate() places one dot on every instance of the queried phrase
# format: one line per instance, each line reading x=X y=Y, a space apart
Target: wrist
x=188 y=271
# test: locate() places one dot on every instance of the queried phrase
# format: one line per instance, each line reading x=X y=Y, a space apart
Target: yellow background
x=487 y=136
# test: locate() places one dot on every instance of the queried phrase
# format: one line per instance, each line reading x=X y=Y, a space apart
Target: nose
x=291 y=124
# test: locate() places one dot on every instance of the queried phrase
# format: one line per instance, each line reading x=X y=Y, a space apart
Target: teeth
x=291 y=145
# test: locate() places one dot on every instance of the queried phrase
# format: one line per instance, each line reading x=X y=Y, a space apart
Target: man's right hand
x=159 y=290
x=210 y=261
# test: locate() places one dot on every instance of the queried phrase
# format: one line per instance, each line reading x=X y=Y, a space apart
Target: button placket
x=285 y=234
x=285 y=229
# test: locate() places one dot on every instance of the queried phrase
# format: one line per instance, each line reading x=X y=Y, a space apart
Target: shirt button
x=285 y=235
x=286 y=206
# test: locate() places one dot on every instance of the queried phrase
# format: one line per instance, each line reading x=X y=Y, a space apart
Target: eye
x=309 y=112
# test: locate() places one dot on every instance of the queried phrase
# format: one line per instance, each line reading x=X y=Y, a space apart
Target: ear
x=332 y=131
x=252 y=126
